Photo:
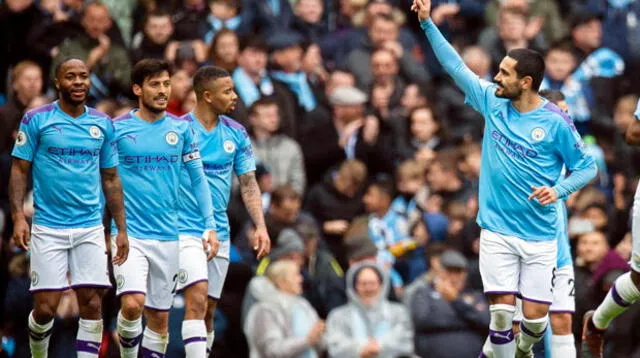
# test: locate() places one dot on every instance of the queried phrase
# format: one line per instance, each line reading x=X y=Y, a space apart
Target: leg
x=89 y=278
x=49 y=266
x=90 y=326
x=208 y=320
x=561 y=310
x=162 y=284
x=218 y=268
x=500 y=271
x=131 y=281
x=193 y=282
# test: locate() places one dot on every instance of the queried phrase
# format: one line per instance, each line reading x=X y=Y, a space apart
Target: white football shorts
x=194 y=267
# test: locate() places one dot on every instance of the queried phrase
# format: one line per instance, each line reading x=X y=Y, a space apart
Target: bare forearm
x=112 y=188
x=252 y=198
x=17 y=191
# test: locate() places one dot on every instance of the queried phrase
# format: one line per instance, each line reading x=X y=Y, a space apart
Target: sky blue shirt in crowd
x=152 y=157
x=224 y=150
x=519 y=150
x=67 y=154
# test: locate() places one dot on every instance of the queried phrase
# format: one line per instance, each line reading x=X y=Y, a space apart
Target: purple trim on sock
x=158 y=309
x=148 y=353
x=501 y=292
x=88 y=347
x=35 y=290
x=192 y=283
x=517 y=321
x=90 y=286
x=194 y=340
x=40 y=336
x=617 y=298
x=130 y=342
x=536 y=301
x=501 y=337
x=526 y=330
x=482 y=355
x=562 y=311
x=131 y=293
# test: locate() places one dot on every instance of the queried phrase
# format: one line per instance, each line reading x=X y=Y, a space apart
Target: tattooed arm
x=17 y=190
x=252 y=199
x=114 y=196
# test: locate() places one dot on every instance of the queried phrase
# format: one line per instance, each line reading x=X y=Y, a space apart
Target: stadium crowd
x=368 y=159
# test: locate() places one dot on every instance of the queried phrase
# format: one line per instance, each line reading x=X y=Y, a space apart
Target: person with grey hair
x=283 y=324
x=369 y=325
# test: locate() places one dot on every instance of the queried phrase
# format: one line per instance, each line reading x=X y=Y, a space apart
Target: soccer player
x=71 y=148
x=527 y=141
x=225 y=148
x=155 y=148
x=626 y=289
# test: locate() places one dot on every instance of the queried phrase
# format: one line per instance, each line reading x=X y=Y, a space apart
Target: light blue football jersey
x=224 y=151
x=519 y=150
x=564 y=247
x=637 y=113
x=66 y=154
x=152 y=158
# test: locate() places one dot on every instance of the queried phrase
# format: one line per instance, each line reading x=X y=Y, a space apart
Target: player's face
x=509 y=85
x=221 y=95
x=368 y=286
x=154 y=93
x=73 y=82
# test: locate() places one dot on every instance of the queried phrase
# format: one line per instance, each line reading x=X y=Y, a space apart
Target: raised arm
x=253 y=202
x=114 y=197
x=17 y=190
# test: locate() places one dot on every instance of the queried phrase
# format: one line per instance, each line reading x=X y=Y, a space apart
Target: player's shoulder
x=96 y=113
x=557 y=116
x=123 y=118
x=37 y=112
x=179 y=123
x=232 y=124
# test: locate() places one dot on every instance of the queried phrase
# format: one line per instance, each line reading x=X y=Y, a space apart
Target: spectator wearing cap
x=107 y=60
x=252 y=82
x=369 y=325
x=383 y=34
x=279 y=152
x=450 y=320
x=153 y=41
x=336 y=201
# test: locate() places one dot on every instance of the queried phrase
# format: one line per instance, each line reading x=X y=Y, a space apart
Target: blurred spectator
x=450 y=320
x=108 y=61
x=383 y=34
x=190 y=18
x=542 y=12
x=426 y=136
x=336 y=201
x=153 y=42
x=308 y=20
x=312 y=66
x=625 y=156
x=283 y=323
x=26 y=78
x=445 y=180
x=224 y=50
x=180 y=86
x=277 y=151
x=190 y=101
x=369 y=325
x=224 y=14
x=464 y=122
x=66 y=324
x=18 y=304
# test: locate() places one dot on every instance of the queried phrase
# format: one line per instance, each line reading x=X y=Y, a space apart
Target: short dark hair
x=282 y=193
x=59 y=65
x=561 y=45
x=385 y=17
x=554 y=96
x=529 y=63
x=147 y=68
x=205 y=75
x=159 y=12
x=385 y=183
x=264 y=101
x=253 y=41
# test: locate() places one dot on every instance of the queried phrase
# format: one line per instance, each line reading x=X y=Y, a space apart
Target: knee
x=132 y=306
x=91 y=303
x=196 y=303
x=43 y=311
x=561 y=324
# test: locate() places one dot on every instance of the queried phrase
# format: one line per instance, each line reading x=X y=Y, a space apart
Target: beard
x=511 y=94
x=65 y=94
x=152 y=107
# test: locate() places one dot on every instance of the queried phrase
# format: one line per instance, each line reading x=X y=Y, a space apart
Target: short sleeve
x=244 y=161
x=109 y=151
x=27 y=139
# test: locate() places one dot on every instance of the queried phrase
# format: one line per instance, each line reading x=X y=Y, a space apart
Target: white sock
x=89 y=338
x=621 y=295
x=194 y=336
x=563 y=346
x=211 y=336
x=531 y=332
x=154 y=345
x=501 y=331
x=130 y=334
x=487 y=349
x=39 y=335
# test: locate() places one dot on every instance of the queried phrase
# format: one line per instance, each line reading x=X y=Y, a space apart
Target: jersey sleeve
x=28 y=138
x=579 y=163
x=476 y=91
x=109 y=151
x=199 y=185
x=244 y=161
x=637 y=112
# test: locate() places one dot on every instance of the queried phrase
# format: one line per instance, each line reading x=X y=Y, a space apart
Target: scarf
x=247 y=89
x=216 y=25
x=297 y=82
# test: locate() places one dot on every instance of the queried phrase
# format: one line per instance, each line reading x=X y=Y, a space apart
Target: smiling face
x=72 y=81
x=508 y=81
x=154 y=92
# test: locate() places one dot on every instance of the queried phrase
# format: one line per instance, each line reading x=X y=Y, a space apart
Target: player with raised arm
x=626 y=290
x=71 y=148
x=155 y=147
x=225 y=149
x=527 y=141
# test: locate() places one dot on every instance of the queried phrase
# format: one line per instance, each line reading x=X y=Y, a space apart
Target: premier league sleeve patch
x=21 y=139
